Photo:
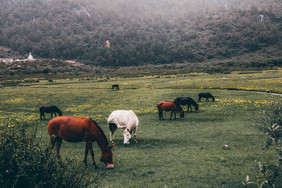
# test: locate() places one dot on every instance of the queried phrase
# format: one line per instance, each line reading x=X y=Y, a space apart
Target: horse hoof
x=110 y=166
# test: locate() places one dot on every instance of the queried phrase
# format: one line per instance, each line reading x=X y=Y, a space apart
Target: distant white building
x=261 y=17
x=30 y=57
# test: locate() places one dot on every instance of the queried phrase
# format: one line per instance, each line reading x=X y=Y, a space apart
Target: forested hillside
x=141 y=32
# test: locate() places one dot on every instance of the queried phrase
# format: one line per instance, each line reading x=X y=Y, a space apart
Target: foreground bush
x=27 y=161
x=270 y=123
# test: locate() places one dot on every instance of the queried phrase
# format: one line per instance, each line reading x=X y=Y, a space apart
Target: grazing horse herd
x=78 y=129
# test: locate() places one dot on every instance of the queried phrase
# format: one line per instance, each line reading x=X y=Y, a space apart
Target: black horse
x=115 y=86
x=187 y=101
x=206 y=95
x=49 y=109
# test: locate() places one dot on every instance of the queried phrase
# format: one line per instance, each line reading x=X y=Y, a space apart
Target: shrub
x=271 y=124
x=27 y=161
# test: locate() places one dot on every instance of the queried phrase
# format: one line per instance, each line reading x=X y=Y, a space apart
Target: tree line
x=138 y=33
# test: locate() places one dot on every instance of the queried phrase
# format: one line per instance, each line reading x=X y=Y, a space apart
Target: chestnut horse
x=187 y=101
x=205 y=95
x=49 y=109
x=78 y=129
x=169 y=106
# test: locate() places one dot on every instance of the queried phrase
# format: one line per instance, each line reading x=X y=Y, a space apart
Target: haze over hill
x=141 y=32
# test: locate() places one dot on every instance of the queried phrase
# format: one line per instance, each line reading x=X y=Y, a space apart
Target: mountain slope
x=141 y=32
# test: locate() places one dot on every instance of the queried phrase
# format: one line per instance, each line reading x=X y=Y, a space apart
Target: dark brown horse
x=78 y=129
x=169 y=106
x=206 y=95
x=115 y=86
x=187 y=101
x=49 y=109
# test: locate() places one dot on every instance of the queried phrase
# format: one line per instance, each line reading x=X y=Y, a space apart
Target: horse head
x=107 y=157
x=126 y=136
x=181 y=114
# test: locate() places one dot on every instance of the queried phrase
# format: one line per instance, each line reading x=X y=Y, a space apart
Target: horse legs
x=161 y=117
x=89 y=147
x=135 y=131
x=57 y=141
x=173 y=112
x=42 y=115
x=189 y=107
x=112 y=127
x=86 y=153
x=112 y=136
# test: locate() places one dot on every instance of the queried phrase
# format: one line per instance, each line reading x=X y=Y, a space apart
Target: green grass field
x=169 y=153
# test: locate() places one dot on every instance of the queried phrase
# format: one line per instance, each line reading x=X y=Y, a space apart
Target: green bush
x=27 y=161
x=270 y=123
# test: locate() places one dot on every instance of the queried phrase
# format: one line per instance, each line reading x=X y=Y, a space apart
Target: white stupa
x=29 y=56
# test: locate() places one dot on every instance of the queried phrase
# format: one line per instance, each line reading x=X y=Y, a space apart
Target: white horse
x=125 y=119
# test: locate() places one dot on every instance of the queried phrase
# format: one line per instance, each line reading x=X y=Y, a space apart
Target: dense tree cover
x=140 y=32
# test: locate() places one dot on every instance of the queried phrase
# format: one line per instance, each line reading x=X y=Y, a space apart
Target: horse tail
x=159 y=107
x=177 y=105
x=160 y=111
x=200 y=96
x=176 y=100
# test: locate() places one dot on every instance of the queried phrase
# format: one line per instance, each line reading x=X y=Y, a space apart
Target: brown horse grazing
x=78 y=129
x=49 y=109
x=187 y=101
x=115 y=86
x=169 y=106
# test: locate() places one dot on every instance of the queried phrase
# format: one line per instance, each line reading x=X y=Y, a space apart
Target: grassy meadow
x=169 y=153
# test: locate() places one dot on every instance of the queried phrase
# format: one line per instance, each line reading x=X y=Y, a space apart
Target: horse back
x=50 y=109
x=166 y=105
x=71 y=129
x=124 y=118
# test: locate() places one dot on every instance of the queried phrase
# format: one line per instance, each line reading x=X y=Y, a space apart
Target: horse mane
x=101 y=131
x=193 y=102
